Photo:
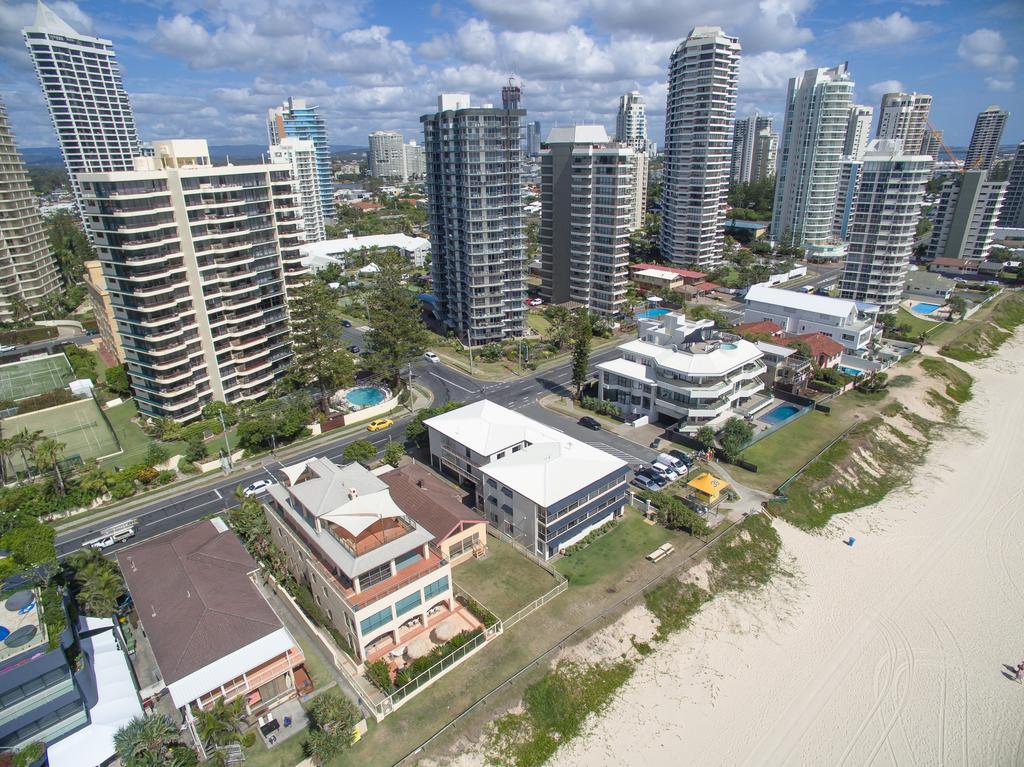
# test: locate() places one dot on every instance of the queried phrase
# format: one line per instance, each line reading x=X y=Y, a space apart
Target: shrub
x=53 y=614
x=166 y=477
x=185 y=466
x=379 y=673
x=599 y=406
x=155 y=453
x=479 y=612
x=43 y=401
x=587 y=539
x=195 y=448
x=360 y=450
x=147 y=475
x=29 y=755
x=116 y=380
x=393 y=453
x=305 y=601
x=83 y=363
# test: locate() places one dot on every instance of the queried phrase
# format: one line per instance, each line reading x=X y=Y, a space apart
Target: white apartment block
x=813 y=137
x=631 y=121
x=415 y=160
x=28 y=270
x=474 y=191
x=883 y=226
x=766 y=153
x=301 y=156
x=587 y=189
x=798 y=313
x=965 y=217
x=371 y=568
x=81 y=83
x=988 y=132
x=846 y=196
x=746 y=134
x=196 y=261
x=699 y=114
x=904 y=116
x=684 y=373
x=1012 y=214
x=858 y=131
x=386 y=158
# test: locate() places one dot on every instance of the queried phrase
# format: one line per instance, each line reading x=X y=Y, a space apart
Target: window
x=404 y=605
x=437 y=587
x=375 y=620
x=405 y=560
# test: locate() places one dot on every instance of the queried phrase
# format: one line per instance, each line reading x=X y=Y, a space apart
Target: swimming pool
x=780 y=414
x=365 y=396
x=728 y=347
x=925 y=308
x=851 y=371
x=650 y=313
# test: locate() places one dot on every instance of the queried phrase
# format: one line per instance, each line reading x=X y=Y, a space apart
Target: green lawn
x=917 y=324
x=134 y=441
x=504 y=581
x=780 y=454
x=631 y=540
x=538 y=322
x=318 y=671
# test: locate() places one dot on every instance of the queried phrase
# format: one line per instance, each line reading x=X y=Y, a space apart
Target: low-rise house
x=208 y=628
x=686 y=276
x=317 y=255
x=850 y=323
x=956 y=267
x=787 y=369
x=684 y=373
x=759 y=328
x=823 y=350
x=922 y=284
x=369 y=566
x=658 y=278
x=537 y=485
x=459 y=532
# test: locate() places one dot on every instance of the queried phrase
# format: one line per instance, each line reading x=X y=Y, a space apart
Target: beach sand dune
x=895 y=651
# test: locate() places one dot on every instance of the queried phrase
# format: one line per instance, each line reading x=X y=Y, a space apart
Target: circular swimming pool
x=365 y=396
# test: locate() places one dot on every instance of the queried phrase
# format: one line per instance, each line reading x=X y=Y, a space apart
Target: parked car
x=346 y=324
x=354 y=349
x=5 y=349
x=257 y=487
x=667 y=472
x=590 y=423
x=380 y=423
x=645 y=471
x=431 y=357
x=664 y=459
x=684 y=458
x=535 y=301
x=648 y=482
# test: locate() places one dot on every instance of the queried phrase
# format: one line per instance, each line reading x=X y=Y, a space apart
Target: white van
x=673 y=463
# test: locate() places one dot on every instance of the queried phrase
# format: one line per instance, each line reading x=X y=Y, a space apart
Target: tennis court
x=28 y=378
x=79 y=425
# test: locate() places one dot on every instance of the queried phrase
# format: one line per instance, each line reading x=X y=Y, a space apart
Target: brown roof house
x=824 y=351
x=459 y=532
x=212 y=634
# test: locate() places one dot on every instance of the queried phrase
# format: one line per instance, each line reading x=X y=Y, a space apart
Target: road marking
x=452 y=383
x=621 y=454
x=218 y=493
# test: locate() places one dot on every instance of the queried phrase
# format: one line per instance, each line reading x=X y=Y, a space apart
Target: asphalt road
x=446 y=384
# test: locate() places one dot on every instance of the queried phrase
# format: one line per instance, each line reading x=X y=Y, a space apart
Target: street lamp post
x=227 y=442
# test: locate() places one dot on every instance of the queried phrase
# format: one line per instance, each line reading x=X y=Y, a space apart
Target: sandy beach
x=890 y=652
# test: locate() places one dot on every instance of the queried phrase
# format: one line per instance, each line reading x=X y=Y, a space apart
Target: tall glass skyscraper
x=294 y=118
x=81 y=82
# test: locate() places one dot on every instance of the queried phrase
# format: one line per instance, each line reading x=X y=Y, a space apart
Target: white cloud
x=886 y=86
x=986 y=49
x=887 y=30
x=998 y=84
x=535 y=15
x=769 y=72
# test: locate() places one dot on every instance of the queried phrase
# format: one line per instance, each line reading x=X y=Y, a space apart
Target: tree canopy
x=397 y=335
x=321 y=359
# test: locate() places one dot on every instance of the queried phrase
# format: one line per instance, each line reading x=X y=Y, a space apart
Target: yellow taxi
x=380 y=423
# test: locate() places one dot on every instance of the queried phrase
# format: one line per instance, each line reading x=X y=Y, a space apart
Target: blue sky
x=211 y=68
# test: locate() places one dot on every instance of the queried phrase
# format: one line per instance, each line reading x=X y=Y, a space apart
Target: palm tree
x=143 y=741
x=219 y=726
x=6 y=446
x=48 y=452
x=25 y=442
x=94 y=480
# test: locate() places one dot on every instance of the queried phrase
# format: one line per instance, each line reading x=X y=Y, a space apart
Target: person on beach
x=1020 y=671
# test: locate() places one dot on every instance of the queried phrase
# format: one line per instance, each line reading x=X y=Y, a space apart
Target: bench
x=661 y=552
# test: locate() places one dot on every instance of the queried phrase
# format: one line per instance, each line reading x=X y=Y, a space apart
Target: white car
x=431 y=357
x=257 y=487
x=4 y=349
x=667 y=472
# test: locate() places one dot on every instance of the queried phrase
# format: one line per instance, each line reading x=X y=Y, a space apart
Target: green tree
x=30 y=543
x=360 y=450
x=958 y=306
x=321 y=359
x=116 y=380
x=25 y=442
x=95 y=581
x=393 y=452
x=734 y=437
x=332 y=727
x=145 y=741
x=582 y=334
x=70 y=246
x=560 y=331
x=706 y=437
x=220 y=725
x=274 y=422
x=48 y=453
x=195 y=448
x=397 y=334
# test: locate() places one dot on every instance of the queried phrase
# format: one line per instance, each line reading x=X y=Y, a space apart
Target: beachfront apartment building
x=988 y=132
x=587 y=189
x=1012 y=213
x=745 y=167
x=904 y=116
x=89 y=108
x=300 y=155
x=370 y=567
x=684 y=373
x=205 y=632
x=537 y=485
x=102 y=310
x=196 y=261
x=300 y=120
x=969 y=206
x=850 y=323
x=475 y=213
x=28 y=270
x=858 y=130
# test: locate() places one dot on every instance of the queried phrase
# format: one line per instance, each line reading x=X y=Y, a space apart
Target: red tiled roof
x=193 y=594
x=706 y=286
x=428 y=500
x=681 y=272
x=819 y=344
x=767 y=327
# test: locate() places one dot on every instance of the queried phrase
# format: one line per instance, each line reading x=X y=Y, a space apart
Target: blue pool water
x=653 y=313
x=780 y=414
x=364 y=396
x=727 y=346
x=925 y=308
x=851 y=371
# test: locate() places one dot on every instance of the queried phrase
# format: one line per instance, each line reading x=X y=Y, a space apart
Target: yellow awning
x=708 y=484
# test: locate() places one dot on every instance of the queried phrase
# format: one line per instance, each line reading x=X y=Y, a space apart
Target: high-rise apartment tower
x=300 y=155
x=904 y=116
x=297 y=119
x=858 y=131
x=988 y=132
x=965 y=216
x=1012 y=214
x=746 y=134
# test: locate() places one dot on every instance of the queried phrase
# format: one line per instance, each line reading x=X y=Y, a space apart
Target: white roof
x=551 y=467
x=315 y=252
x=775 y=349
x=709 y=363
x=350 y=496
x=806 y=302
x=661 y=274
x=231 y=666
x=109 y=689
x=624 y=367
x=578 y=134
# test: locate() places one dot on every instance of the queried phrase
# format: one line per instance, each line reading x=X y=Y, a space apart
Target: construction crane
x=960 y=165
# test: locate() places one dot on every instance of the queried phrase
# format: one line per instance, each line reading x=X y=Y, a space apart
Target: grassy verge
x=916 y=324
x=958 y=382
x=504 y=581
x=674 y=604
x=983 y=337
x=631 y=540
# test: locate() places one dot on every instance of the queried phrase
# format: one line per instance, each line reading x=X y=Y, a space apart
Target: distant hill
x=239 y=153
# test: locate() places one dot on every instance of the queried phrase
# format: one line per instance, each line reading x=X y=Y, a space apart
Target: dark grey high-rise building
x=1013 y=202
x=988 y=132
x=474 y=190
x=533 y=138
